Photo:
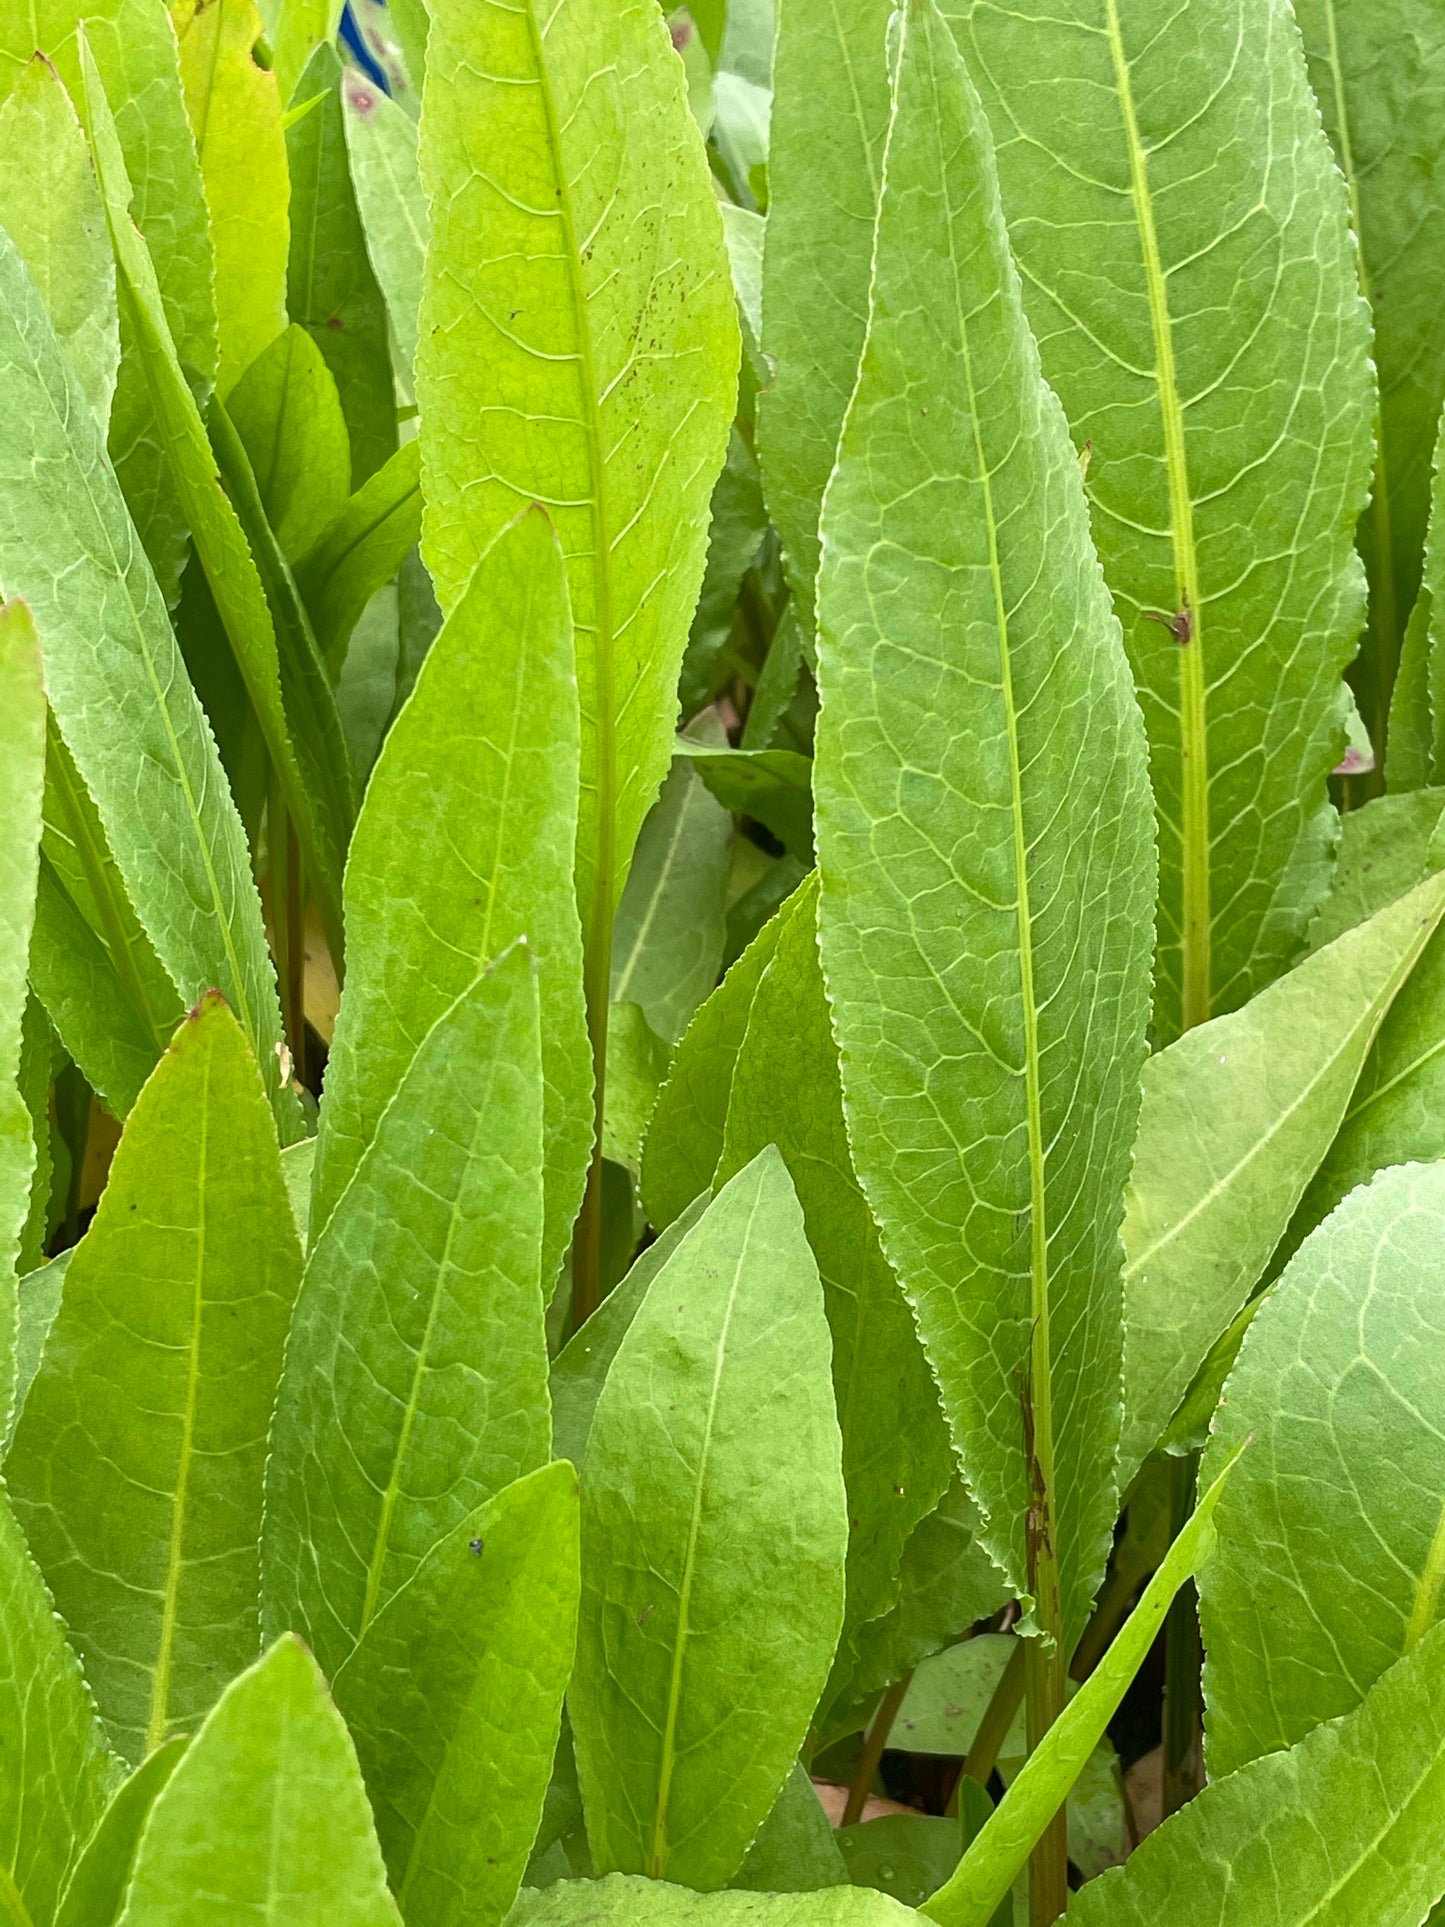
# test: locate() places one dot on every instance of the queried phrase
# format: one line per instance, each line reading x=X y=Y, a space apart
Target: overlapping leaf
x=115 y=681
x=275 y=1759
x=579 y=347
x=1183 y=238
x=1332 y=1526
x=714 y=1530
x=987 y=865
x=138 y=1459
x=466 y=843
x=416 y=1369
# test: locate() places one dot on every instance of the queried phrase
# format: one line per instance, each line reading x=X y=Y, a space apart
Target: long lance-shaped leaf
x=55 y=1770
x=50 y=207
x=95 y=1892
x=361 y=551
x=138 y=1460
x=579 y=346
x=22 y=788
x=785 y=1091
x=331 y=290
x=255 y=596
x=825 y=161
x=981 y=913
x=234 y=107
x=454 y=1699
x=465 y=843
x=1379 y=77
x=297 y=1844
x=1335 y=1516
x=134 y=46
x=115 y=681
x=381 y=141
x=653 y=1903
x=1183 y=238
x=416 y=1369
x=714 y=1455
x=1236 y=1118
x=1342 y=1831
x=999 y=1850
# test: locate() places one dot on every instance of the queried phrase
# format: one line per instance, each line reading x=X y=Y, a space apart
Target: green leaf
x=138 y=1460
x=297 y=1845
x=330 y=288
x=55 y=1772
x=116 y=685
x=244 y=570
x=772 y=785
x=134 y=46
x=981 y=908
x=945 y=1583
x=737 y=525
x=454 y=1700
x=464 y=844
x=381 y=141
x=361 y=550
x=22 y=788
x=580 y=1369
x=830 y=117
x=234 y=107
x=1236 y=1117
x=1342 y=1831
x=1411 y=731
x=1385 y=850
x=416 y=1369
x=795 y=1851
x=303 y=28
x=1187 y=265
x=1334 y=1518
x=713 y=1459
x=897 y=1461
x=685 y=1136
x=636 y=1065
x=667 y=941
x=1001 y=1848
x=95 y=1891
x=653 y=1903
x=39 y=1301
x=50 y=207
x=73 y=974
x=1376 y=74
x=908 y=1855
x=287 y=412
x=579 y=346
x=1395 y=1112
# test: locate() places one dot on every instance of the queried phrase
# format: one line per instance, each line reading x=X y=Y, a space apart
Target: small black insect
x=475 y=1547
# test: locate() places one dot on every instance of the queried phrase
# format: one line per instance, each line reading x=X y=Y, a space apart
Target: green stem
x=874 y=1744
x=1044 y=1698
x=1183 y=1656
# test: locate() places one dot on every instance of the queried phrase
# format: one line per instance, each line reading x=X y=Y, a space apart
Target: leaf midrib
x=381 y=1544
x=1195 y=925
x=657 y=1855
x=599 y=934
x=1040 y=1388
x=175 y=1560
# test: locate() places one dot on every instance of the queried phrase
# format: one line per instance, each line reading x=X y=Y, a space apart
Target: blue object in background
x=362 y=54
